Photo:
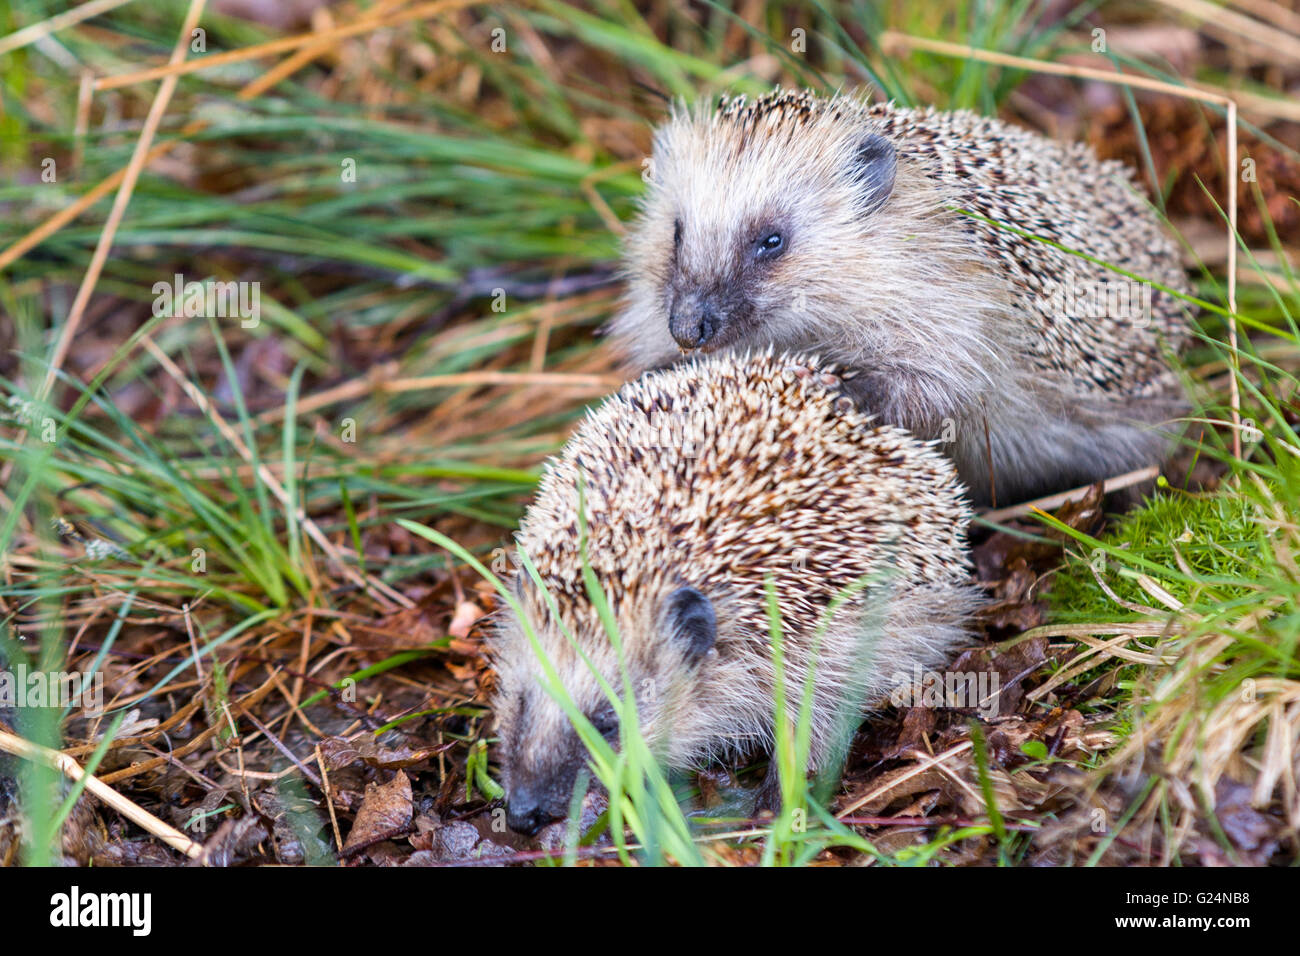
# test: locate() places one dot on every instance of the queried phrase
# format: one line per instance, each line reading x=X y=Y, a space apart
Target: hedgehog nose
x=525 y=814
x=692 y=323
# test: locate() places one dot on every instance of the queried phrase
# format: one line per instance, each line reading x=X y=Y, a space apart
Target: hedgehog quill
x=897 y=243
x=700 y=483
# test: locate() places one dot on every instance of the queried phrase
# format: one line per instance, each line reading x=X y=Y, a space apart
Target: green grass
x=643 y=799
x=1217 y=537
x=458 y=202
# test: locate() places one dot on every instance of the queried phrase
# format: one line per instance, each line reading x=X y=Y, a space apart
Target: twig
x=283 y=748
x=1050 y=502
x=194 y=644
x=929 y=822
x=239 y=752
x=922 y=765
x=13 y=744
x=1232 y=173
x=329 y=798
x=892 y=42
x=153 y=763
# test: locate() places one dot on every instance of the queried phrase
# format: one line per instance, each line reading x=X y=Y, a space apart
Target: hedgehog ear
x=875 y=162
x=689 y=620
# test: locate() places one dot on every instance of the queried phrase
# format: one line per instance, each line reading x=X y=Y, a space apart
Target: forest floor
x=422 y=205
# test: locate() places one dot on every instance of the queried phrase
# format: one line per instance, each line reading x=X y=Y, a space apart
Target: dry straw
x=1231 y=720
x=129 y=179
x=27 y=750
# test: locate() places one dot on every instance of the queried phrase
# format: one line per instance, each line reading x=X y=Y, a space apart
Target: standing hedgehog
x=699 y=482
x=876 y=237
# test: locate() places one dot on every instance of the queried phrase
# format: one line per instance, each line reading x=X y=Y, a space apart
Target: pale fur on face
x=725 y=183
x=721 y=707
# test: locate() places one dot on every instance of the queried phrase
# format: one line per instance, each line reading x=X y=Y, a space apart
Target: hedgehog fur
x=877 y=237
x=698 y=483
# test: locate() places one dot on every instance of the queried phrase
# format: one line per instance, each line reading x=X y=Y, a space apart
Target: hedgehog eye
x=770 y=245
x=606 y=722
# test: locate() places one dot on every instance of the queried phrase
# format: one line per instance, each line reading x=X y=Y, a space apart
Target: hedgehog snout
x=694 y=320
x=527 y=811
x=541 y=772
x=534 y=801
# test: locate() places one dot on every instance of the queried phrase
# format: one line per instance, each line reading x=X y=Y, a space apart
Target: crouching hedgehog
x=698 y=484
x=907 y=244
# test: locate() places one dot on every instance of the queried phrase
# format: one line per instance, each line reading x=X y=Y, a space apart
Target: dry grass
x=404 y=393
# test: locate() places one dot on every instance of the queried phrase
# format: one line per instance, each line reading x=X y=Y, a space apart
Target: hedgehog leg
x=768 y=795
x=901 y=396
x=1051 y=453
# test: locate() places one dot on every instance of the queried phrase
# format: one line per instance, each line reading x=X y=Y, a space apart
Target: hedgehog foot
x=768 y=797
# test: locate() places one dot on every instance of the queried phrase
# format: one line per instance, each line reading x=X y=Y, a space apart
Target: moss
x=1216 y=535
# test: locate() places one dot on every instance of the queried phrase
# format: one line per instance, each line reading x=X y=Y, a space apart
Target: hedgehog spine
x=782 y=476
x=900 y=253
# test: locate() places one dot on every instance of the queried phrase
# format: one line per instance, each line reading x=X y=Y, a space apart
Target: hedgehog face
x=749 y=232
x=719 y=280
x=542 y=753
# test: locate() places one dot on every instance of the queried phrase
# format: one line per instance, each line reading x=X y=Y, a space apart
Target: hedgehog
x=700 y=483
x=952 y=260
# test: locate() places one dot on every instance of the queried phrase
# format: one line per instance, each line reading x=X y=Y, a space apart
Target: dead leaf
x=466 y=616
x=235 y=841
x=1253 y=834
x=385 y=813
x=340 y=752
